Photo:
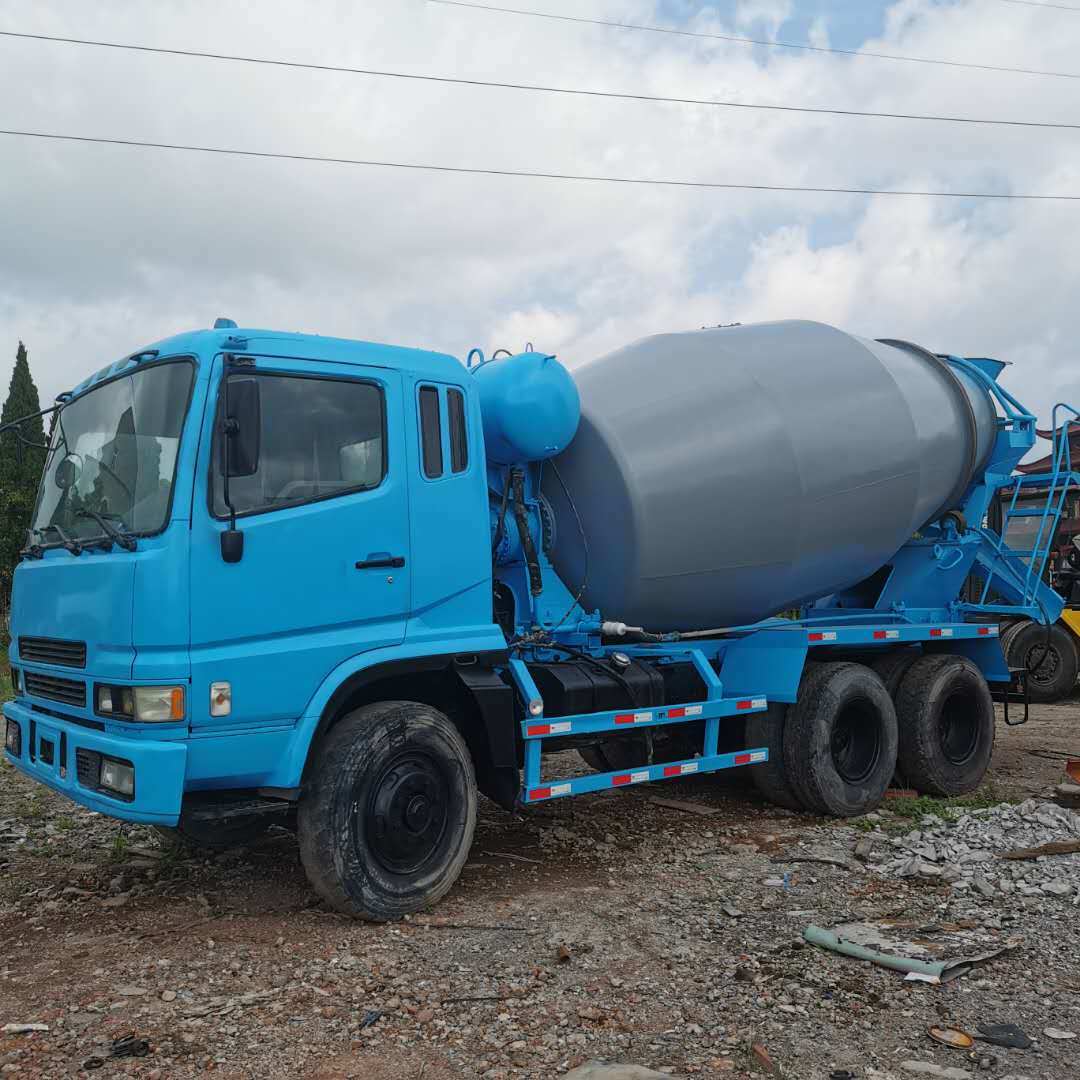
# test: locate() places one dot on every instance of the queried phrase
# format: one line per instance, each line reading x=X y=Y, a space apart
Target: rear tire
x=770 y=778
x=946 y=720
x=386 y=817
x=893 y=666
x=839 y=743
x=1051 y=666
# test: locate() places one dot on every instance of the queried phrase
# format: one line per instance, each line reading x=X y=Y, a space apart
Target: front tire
x=387 y=814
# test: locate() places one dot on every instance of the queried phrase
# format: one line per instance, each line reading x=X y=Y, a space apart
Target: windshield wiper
x=33 y=549
x=119 y=536
x=72 y=545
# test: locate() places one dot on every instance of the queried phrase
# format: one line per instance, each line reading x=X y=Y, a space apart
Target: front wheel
x=387 y=813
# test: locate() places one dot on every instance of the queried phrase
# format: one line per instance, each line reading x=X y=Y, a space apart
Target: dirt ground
x=600 y=927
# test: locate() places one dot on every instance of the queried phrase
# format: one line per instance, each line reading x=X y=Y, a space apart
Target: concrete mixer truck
x=284 y=579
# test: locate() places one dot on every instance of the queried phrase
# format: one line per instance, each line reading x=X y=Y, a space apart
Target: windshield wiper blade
x=72 y=545
x=33 y=549
x=119 y=536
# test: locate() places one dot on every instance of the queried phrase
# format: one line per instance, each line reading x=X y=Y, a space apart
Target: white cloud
x=104 y=249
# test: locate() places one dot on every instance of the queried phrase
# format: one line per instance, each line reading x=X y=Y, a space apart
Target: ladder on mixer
x=1057 y=482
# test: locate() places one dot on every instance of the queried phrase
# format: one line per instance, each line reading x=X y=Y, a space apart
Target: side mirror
x=67 y=472
x=243 y=425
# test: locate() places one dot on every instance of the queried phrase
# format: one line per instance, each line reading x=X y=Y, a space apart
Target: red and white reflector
x=822 y=635
x=751 y=703
x=681 y=770
x=684 y=710
x=633 y=718
x=630 y=778
x=550 y=729
x=987 y=631
x=548 y=792
x=941 y=631
x=886 y=635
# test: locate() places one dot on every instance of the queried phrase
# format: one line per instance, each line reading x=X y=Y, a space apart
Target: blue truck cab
x=282 y=578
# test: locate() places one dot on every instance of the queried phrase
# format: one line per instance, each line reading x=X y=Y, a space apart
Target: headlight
x=148 y=704
x=159 y=703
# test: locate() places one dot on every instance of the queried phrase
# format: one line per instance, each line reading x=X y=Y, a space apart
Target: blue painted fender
x=292 y=769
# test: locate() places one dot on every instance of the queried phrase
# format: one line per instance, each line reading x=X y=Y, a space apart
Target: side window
x=431 y=432
x=319 y=438
x=459 y=445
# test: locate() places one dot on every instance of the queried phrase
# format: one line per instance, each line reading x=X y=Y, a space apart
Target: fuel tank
x=722 y=476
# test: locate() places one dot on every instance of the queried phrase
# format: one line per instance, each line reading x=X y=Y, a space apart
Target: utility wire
x=1040 y=3
x=743 y=39
x=539 y=175
x=534 y=88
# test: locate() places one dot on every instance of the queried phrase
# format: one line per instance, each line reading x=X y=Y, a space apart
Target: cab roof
x=256 y=342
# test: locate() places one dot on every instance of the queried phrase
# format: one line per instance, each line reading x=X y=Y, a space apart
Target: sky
x=105 y=248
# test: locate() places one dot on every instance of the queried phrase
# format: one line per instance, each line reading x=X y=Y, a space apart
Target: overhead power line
x=588 y=178
x=491 y=84
x=1043 y=4
x=743 y=39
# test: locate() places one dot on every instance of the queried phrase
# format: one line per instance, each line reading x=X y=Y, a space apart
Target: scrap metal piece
x=954 y=1037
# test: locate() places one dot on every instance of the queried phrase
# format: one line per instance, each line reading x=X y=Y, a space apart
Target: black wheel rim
x=406 y=812
x=958 y=727
x=855 y=742
x=1042 y=663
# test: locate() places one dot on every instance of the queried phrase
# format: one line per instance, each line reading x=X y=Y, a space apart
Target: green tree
x=20 y=467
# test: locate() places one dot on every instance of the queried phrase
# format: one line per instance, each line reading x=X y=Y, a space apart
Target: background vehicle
x=274 y=575
x=1048 y=656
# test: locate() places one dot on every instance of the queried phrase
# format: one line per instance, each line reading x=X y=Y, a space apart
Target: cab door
x=324 y=572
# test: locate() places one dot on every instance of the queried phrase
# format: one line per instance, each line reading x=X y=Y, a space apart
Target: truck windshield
x=113 y=453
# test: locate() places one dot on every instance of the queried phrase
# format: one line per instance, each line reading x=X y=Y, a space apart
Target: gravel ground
x=605 y=927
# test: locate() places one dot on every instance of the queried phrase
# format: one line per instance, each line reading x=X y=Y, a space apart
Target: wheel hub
x=405 y=817
x=855 y=743
x=958 y=728
x=1042 y=662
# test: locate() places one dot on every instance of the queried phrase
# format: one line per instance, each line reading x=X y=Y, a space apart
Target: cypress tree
x=20 y=467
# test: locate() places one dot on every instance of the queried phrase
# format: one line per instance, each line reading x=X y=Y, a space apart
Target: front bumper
x=159 y=766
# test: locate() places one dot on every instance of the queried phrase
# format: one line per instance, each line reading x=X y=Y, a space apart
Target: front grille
x=45 y=650
x=69 y=691
x=88 y=767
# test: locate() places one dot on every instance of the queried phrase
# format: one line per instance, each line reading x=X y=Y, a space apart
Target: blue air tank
x=725 y=475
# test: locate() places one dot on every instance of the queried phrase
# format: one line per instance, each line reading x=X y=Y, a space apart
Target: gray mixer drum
x=725 y=475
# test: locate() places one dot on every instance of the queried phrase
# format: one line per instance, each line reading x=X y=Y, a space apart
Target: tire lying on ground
x=839 y=740
x=946 y=719
x=388 y=810
x=1050 y=661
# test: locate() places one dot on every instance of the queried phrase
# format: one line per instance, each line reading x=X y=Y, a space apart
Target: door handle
x=381 y=561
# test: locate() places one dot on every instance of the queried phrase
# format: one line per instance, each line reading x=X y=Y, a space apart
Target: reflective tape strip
x=681 y=770
x=941 y=631
x=549 y=792
x=742 y=759
x=825 y=635
x=751 y=703
x=630 y=778
x=759 y=755
x=551 y=729
x=987 y=630
x=633 y=718
x=684 y=710
x=885 y=635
